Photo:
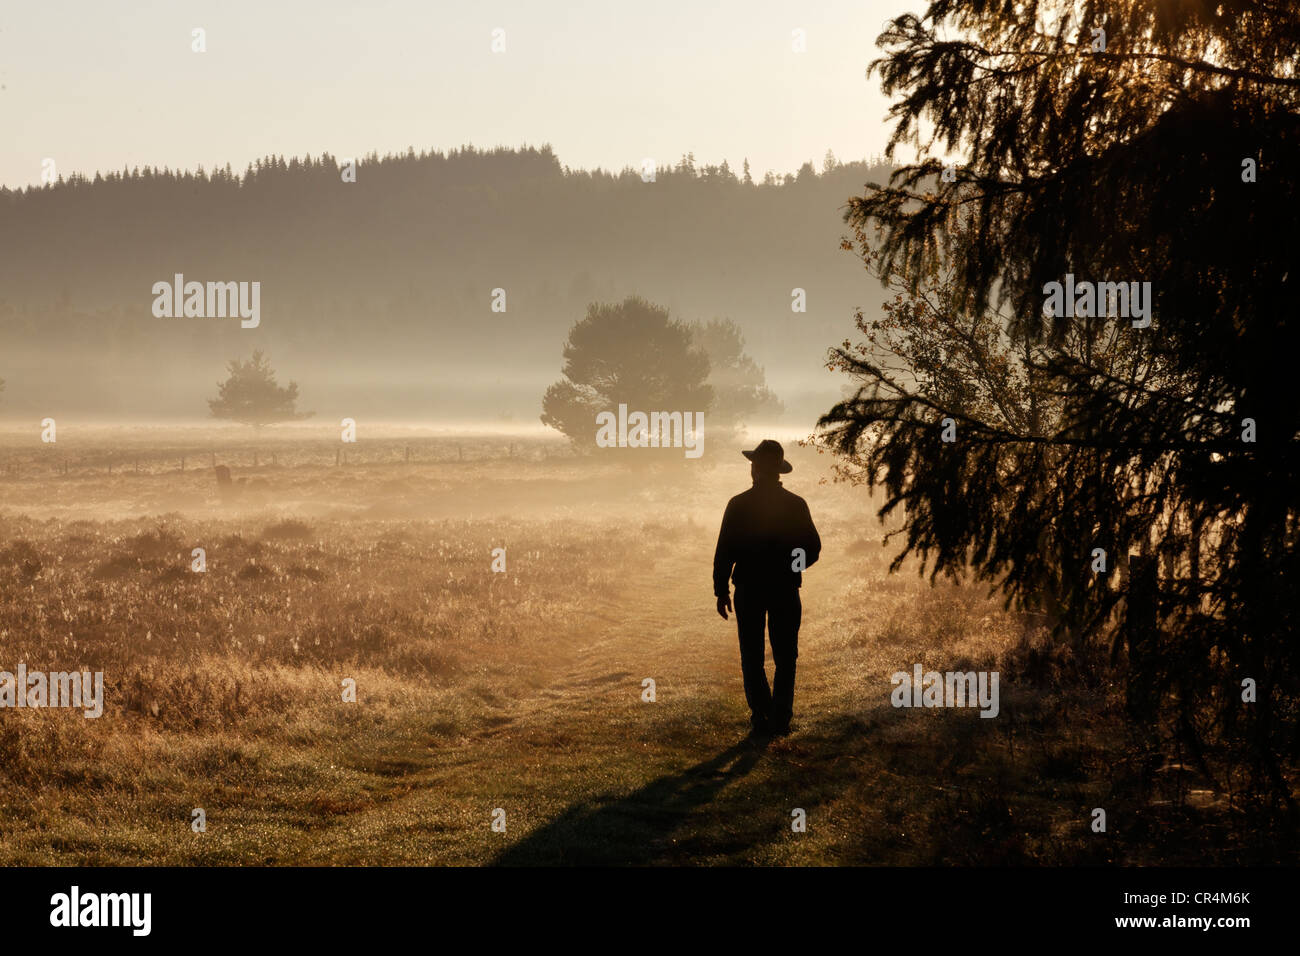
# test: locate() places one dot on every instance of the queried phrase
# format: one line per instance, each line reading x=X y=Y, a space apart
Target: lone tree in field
x=1113 y=141
x=251 y=396
x=631 y=353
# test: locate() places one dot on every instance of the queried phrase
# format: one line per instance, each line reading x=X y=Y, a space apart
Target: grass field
x=520 y=690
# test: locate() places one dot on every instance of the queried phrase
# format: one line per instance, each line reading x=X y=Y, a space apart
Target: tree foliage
x=251 y=396
x=629 y=353
x=1115 y=163
x=740 y=392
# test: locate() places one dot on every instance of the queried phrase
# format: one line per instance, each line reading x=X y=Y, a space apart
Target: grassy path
x=588 y=772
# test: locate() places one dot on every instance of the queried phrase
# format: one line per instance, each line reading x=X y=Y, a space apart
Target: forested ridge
x=390 y=278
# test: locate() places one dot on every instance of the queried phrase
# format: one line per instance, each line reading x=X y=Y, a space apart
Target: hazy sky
x=103 y=84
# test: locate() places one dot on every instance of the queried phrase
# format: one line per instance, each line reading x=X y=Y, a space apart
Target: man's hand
x=724 y=605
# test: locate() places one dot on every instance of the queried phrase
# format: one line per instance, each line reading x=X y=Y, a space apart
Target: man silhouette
x=767 y=536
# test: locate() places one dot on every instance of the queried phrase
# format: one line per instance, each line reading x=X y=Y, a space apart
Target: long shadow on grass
x=636 y=828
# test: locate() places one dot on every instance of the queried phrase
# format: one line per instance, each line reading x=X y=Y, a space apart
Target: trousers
x=780 y=610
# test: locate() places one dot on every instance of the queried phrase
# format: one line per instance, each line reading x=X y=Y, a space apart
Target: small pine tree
x=251 y=396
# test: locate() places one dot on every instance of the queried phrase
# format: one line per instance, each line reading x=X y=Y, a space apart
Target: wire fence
x=72 y=460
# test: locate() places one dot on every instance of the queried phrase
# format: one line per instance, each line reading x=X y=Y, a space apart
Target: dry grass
x=523 y=690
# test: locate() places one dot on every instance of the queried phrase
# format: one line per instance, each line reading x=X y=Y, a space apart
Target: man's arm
x=724 y=555
x=724 y=559
x=813 y=548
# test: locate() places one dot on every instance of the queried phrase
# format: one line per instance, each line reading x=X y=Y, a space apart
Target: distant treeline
x=390 y=278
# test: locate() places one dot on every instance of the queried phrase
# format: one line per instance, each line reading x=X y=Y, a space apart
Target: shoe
x=779 y=729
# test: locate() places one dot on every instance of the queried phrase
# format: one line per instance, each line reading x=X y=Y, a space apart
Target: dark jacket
x=760 y=529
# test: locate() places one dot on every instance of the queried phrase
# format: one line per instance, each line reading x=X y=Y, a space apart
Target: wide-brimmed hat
x=770 y=454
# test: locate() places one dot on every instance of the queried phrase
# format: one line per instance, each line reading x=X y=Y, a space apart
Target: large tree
x=251 y=396
x=630 y=353
x=1113 y=140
